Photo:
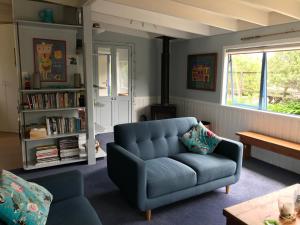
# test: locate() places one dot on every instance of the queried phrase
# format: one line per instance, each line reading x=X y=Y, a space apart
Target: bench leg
x=227 y=189
x=148 y=214
x=247 y=151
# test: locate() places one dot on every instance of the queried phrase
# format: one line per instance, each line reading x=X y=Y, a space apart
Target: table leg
x=233 y=221
x=247 y=151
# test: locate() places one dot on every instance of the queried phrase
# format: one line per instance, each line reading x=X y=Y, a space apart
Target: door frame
x=132 y=62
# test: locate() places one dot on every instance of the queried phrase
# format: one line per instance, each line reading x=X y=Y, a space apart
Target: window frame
x=263 y=47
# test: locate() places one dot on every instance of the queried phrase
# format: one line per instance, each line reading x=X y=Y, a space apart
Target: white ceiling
x=192 y=18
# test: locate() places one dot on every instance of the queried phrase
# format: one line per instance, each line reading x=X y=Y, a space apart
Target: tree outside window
x=279 y=74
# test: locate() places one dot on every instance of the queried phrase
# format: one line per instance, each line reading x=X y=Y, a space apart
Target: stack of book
x=62 y=125
x=46 y=155
x=69 y=149
x=52 y=100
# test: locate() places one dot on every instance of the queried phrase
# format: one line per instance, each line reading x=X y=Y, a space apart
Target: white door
x=112 y=83
x=8 y=81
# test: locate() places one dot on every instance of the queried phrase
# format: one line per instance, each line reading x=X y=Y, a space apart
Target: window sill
x=262 y=111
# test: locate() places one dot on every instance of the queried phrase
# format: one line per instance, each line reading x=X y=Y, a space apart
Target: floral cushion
x=23 y=202
x=200 y=140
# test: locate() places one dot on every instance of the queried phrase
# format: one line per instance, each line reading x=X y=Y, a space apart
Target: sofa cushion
x=165 y=175
x=208 y=167
x=73 y=211
x=200 y=140
x=153 y=139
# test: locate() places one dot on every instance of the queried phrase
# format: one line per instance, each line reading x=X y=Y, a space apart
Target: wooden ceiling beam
x=130 y=13
x=179 y=10
x=232 y=9
x=289 y=8
x=140 y=26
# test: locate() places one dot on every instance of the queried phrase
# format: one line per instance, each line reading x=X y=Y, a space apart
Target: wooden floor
x=10 y=151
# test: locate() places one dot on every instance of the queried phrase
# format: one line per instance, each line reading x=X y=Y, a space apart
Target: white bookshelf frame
x=28 y=163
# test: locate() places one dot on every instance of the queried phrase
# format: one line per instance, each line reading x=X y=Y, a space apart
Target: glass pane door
x=122 y=71
x=104 y=72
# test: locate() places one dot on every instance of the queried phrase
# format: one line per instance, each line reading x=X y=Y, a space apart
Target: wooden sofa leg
x=148 y=214
x=227 y=189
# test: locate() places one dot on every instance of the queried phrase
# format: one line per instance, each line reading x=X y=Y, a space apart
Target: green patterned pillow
x=23 y=202
x=200 y=140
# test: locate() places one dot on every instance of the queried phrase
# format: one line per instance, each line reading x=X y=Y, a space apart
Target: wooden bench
x=273 y=144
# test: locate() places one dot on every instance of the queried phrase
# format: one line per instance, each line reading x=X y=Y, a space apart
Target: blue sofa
x=69 y=206
x=152 y=168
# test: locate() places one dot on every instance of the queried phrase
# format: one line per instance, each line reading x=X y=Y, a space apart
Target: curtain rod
x=268 y=35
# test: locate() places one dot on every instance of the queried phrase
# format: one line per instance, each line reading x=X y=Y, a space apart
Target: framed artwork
x=202 y=71
x=50 y=60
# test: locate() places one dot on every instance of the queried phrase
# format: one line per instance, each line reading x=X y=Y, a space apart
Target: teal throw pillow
x=200 y=140
x=22 y=202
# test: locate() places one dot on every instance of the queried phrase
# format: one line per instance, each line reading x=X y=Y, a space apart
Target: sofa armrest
x=63 y=185
x=128 y=172
x=232 y=150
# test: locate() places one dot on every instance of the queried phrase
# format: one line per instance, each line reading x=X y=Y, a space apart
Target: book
x=62 y=125
x=46 y=154
x=52 y=100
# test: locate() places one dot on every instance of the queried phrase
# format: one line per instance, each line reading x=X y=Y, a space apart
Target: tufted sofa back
x=153 y=139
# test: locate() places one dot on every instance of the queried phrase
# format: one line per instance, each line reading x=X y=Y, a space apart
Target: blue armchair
x=152 y=168
x=69 y=206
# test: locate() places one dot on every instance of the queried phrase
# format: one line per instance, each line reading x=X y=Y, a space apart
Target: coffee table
x=255 y=211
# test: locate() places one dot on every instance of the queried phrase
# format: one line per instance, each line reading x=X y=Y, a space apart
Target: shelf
x=51 y=90
x=55 y=136
x=49 y=25
x=50 y=110
x=33 y=166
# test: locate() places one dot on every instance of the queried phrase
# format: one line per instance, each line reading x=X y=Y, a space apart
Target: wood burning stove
x=164 y=110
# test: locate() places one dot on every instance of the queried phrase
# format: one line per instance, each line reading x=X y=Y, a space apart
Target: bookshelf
x=53 y=136
x=31 y=166
x=51 y=110
x=47 y=90
x=49 y=25
x=64 y=101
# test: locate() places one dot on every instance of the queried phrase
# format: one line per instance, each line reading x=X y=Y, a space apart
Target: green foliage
x=246 y=70
x=283 y=73
x=290 y=107
x=284 y=70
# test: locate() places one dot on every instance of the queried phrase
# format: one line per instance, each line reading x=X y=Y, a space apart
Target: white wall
x=227 y=120
x=8 y=81
x=27 y=33
x=181 y=49
x=146 y=63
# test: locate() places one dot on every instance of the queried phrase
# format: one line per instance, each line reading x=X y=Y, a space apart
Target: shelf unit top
x=49 y=25
x=51 y=110
x=51 y=90
x=32 y=166
x=55 y=136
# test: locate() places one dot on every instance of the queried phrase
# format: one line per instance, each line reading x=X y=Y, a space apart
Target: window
x=265 y=80
x=104 y=71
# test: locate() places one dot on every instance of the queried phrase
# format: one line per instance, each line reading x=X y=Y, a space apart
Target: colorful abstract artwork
x=202 y=72
x=50 y=59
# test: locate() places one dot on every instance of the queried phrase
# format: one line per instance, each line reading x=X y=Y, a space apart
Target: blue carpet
x=257 y=179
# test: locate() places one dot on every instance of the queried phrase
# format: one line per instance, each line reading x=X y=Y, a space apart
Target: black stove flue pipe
x=165 y=69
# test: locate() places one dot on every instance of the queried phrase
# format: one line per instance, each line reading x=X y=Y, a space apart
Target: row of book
x=52 y=100
x=62 y=125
